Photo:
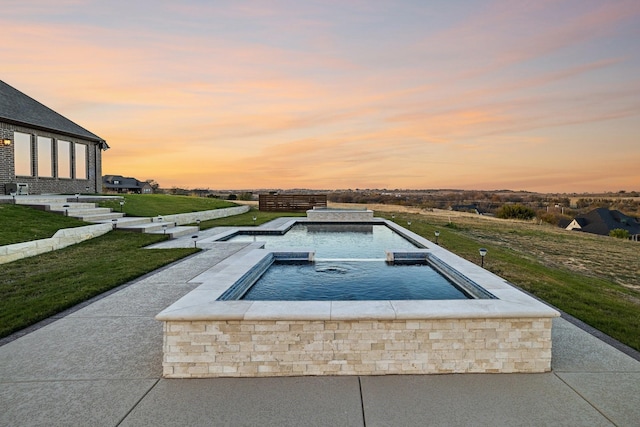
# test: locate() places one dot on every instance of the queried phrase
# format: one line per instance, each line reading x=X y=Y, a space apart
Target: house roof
x=18 y=108
x=124 y=182
x=602 y=221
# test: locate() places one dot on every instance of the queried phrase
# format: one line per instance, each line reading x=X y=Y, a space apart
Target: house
x=43 y=152
x=602 y=221
x=122 y=184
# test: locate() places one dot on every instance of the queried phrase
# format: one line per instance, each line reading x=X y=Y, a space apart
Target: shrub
x=619 y=233
x=515 y=212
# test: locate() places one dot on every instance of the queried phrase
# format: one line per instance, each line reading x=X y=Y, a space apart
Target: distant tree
x=245 y=196
x=232 y=197
x=619 y=233
x=515 y=212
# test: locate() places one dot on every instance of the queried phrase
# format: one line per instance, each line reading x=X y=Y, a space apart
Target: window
x=22 y=154
x=64 y=159
x=45 y=160
x=81 y=161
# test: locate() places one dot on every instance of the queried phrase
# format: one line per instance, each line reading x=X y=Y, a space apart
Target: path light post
x=254 y=220
x=195 y=241
x=77 y=197
x=409 y=224
x=13 y=195
x=66 y=210
x=393 y=217
x=437 y=233
x=483 y=253
x=198 y=224
x=121 y=205
x=114 y=223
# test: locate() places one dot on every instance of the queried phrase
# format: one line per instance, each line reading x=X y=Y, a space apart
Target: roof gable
x=18 y=108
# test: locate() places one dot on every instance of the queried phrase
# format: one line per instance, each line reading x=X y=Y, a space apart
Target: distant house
x=44 y=152
x=602 y=221
x=122 y=184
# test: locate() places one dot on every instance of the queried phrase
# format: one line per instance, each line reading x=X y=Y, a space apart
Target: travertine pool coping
x=201 y=304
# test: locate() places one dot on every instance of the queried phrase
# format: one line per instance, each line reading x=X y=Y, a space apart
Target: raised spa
x=485 y=325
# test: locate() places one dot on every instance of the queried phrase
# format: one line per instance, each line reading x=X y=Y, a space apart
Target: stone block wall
x=242 y=348
x=335 y=215
x=61 y=239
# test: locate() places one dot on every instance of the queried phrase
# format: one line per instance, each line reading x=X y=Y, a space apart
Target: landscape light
x=483 y=252
x=6 y=142
x=437 y=233
x=198 y=223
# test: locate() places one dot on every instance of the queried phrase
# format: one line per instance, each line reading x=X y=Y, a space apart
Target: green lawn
x=163 y=204
x=35 y=288
x=23 y=224
x=246 y=219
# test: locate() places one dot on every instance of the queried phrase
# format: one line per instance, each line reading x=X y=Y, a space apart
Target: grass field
x=163 y=204
x=35 y=288
x=23 y=224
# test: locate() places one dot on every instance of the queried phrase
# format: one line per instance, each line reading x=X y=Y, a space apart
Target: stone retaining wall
x=242 y=348
x=192 y=217
x=337 y=215
x=61 y=239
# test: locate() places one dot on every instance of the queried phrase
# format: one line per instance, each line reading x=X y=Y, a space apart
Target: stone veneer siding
x=241 y=348
x=44 y=185
x=336 y=215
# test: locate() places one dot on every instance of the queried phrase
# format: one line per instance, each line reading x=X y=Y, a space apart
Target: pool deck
x=100 y=364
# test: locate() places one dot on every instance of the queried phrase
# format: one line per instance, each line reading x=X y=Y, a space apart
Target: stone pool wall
x=254 y=348
x=337 y=215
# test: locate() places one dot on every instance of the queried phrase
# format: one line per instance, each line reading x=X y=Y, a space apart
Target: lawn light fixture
x=13 y=195
x=437 y=233
x=393 y=217
x=483 y=253
x=66 y=210
x=164 y=228
x=121 y=205
x=6 y=142
x=77 y=197
x=198 y=223
x=409 y=224
x=115 y=223
x=254 y=220
x=195 y=241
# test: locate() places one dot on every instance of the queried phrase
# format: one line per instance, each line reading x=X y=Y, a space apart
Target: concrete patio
x=101 y=365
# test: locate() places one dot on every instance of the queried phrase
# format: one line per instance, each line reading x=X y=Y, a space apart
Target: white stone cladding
x=200 y=349
x=337 y=215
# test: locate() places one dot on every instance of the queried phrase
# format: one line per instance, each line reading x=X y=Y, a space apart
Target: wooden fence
x=291 y=202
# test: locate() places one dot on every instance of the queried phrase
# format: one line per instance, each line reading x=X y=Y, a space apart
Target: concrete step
x=70 y=205
x=80 y=212
x=125 y=221
x=178 y=231
x=149 y=227
x=99 y=217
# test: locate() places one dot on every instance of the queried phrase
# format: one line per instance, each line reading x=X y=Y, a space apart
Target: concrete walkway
x=101 y=366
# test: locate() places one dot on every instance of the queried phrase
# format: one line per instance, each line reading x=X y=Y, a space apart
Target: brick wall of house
x=43 y=185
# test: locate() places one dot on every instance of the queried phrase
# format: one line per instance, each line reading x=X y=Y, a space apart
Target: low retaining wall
x=192 y=217
x=61 y=239
x=338 y=215
x=200 y=349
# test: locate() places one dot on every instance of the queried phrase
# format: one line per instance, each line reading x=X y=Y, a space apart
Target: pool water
x=331 y=241
x=351 y=281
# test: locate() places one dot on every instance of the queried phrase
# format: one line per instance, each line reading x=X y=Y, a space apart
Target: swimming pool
x=500 y=330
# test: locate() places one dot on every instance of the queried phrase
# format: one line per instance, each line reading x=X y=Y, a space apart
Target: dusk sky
x=536 y=95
